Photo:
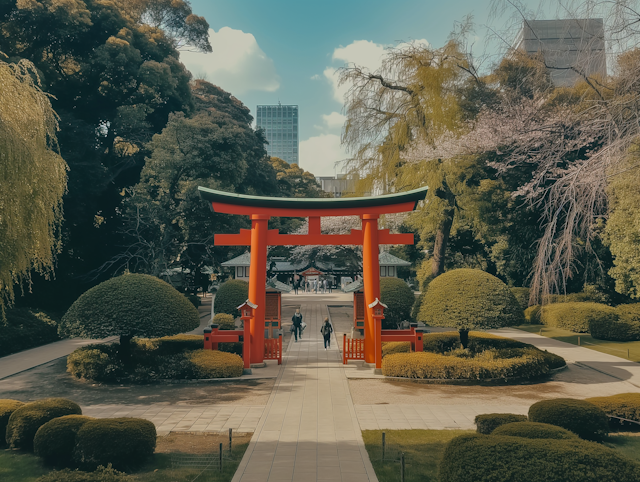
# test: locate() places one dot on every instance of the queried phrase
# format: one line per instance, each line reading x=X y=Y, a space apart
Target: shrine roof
x=387 y=259
x=357 y=285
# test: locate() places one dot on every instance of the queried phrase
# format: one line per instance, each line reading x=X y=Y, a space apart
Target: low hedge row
x=576 y=316
x=624 y=327
x=488 y=422
x=623 y=405
x=579 y=416
x=215 y=364
x=500 y=458
x=534 y=430
x=101 y=474
x=225 y=321
x=55 y=440
x=391 y=347
x=532 y=315
x=25 y=329
x=478 y=342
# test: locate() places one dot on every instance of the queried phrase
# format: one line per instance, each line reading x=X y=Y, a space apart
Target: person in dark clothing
x=296 y=285
x=297 y=323
x=326 y=331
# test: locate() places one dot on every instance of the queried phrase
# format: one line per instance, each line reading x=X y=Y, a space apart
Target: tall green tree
x=33 y=176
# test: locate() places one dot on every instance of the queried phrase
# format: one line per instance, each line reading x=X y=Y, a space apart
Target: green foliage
x=230 y=295
x=7 y=407
x=625 y=328
x=623 y=405
x=467 y=299
x=25 y=329
x=27 y=419
x=55 y=440
x=391 y=347
x=399 y=298
x=532 y=314
x=581 y=417
x=415 y=309
x=575 y=316
x=123 y=442
x=225 y=321
x=130 y=305
x=441 y=342
x=493 y=458
x=488 y=422
x=194 y=299
x=171 y=345
x=522 y=295
x=95 y=362
x=34 y=178
x=534 y=430
x=215 y=364
x=101 y=474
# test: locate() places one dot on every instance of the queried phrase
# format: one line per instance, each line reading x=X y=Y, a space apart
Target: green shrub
x=7 y=407
x=553 y=361
x=55 y=440
x=225 y=321
x=488 y=365
x=534 y=430
x=623 y=405
x=399 y=299
x=123 y=442
x=391 y=347
x=95 y=362
x=625 y=328
x=590 y=294
x=229 y=296
x=488 y=422
x=575 y=316
x=480 y=458
x=26 y=420
x=415 y=308
x=522 y=295
x=469 y=299
x=479 y=342
x=101 y=474
x=172 y=345
x=215 y=364
x=583 y=418
x=194 y=300
x=25 y=328
x=532 y=314
x=131 y=305
x=440 y=342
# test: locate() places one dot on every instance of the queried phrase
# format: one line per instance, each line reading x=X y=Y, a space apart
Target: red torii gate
x=260 y=209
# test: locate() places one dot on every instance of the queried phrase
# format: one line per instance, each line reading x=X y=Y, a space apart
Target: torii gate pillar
x=371 y=278
x=257 y=281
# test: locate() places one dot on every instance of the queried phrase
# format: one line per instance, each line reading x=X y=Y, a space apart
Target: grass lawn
x=18 y=467
x=617 y=348
x=423 y=450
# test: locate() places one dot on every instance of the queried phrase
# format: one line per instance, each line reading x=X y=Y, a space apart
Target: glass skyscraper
x=280 y=124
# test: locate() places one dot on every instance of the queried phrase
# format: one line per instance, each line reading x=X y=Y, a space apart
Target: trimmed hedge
x=195 y=300
x=225 y=321
x=123 y=442
x=230 y=295
x=480 y=458
x=623 y=405
x=55 y=440
x=7 y=407
x=468 y=299
x=215 y=364
x=532 y=314
x=391 y=347
x=399 y=298
x=522 y=295
x=130 y=305
x=488 y=422
x=480 y=341
x=26 y=420
x=625 y=327
x=96 y=362
x=575 y=316
x=534 y=430
x=26 y=329
x=171 y=345
x=579 y=416
x=102 y=474
x=441 y=342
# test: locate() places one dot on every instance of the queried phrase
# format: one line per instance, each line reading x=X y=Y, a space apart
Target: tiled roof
x=357 y=285
x=278 y=286
x=387 y=259
x=242 y=260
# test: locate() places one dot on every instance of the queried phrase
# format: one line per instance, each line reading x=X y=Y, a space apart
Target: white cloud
x=335 y=120
x=319 y=155
x=237 y=63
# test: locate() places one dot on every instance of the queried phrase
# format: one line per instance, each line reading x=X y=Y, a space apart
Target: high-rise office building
x=280 y=124
x=566 y=45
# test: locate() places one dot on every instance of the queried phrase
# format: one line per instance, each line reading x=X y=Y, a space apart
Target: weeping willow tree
x=397 y=112
x=33 y=177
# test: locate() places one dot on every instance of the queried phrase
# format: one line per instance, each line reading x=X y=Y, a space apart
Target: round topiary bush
x=534 y=430
x=230 y=295
x=623 y=405
x=581 y=417
x=469 y=299
x=488 y=422
x=478 y=458
x=577 y=316
x=122 y=442
x=55 y=440
x=7 y=407
x=625 y=326
x=399 y=299
x=215 y=364
x=225 y=321
x=101 y=474
x=26 y=420
x=522 y=295
x=127 y=306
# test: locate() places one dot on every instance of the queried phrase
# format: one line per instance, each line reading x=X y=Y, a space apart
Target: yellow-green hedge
x=55 y=440
x=532 y=315
x=486 y=423
x=170 y=345
x=215 y=364
x=624 y=405
x=484 y=366
x=576 y=316
x=225 y=321
x=7 y=407
x=522 y=295
x=391 y=347
x=579 y=416
x=535 y=430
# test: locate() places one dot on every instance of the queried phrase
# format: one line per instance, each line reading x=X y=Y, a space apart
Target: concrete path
x=309 y=430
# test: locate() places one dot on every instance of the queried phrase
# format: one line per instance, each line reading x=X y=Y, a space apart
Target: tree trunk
x=125 y=349
x=444 y=229
x=464 y=338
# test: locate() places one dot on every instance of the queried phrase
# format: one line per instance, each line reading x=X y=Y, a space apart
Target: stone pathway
x=309 y=430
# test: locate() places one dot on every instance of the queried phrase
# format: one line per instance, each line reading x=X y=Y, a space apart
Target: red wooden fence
x=273 y=349
x=352 y=349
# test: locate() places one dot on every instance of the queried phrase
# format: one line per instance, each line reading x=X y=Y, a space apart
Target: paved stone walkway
x=309 y=430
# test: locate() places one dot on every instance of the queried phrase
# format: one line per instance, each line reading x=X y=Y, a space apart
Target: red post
x=257 y=283
x=378 y=337
x=280 y=349
x=419 y=346
x=344 y=349
x=214 y=332
x=246 y=344
x=371 y=275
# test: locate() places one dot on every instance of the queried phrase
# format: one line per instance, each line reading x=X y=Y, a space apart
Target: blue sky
x=270 y=51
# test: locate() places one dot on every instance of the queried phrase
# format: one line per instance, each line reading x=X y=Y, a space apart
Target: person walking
x=297 y=323
x=324 y=285
x=326 y=331
x=295 y=286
